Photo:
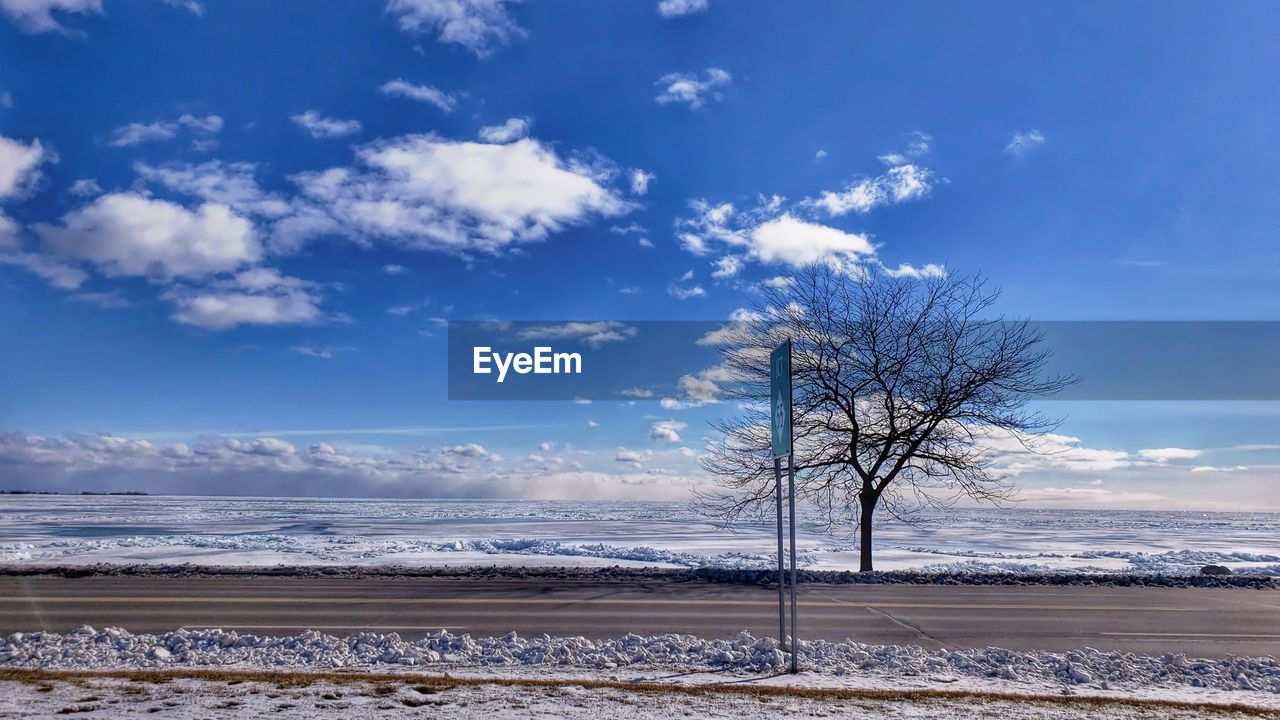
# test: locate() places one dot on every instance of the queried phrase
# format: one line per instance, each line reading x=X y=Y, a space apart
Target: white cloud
x=640 y=181
x=138 y=133
x=512 y=129
x=20 y=166
x=929 y=270
x=637 y=392
x=727 y=267
x=793 y=241
x=421 y=93
x=53 y=271
x=701 y=388
x=691 y=90
x=778 y=282
x=288 y=222
x=6 y=99
x=258 y=296
x=774 y=232
x=820 y=154
x=1164 y=455
x=318 y=126
x=37 y=16
x=228 y=183
x=470 y=450
x=631 y=457
x=272 y=466
x=478 y=25
x=429 y=193
x=711 y=223
x=898 y=184
x=1022 y=142
x=9 y=237
x=903 y=181
x=85 y=187
x=593 y=334
x=632 y=229
x=917 y=144
x=323 y=353
x=191 y=6
x=737 y=319
x=1051 y=451
x=393 y=269
x=667 y=430
x=1211 y=468
x=1075 y=496
x=679 y=8
x=209 y=124
x=127 y=234
x=685 y=292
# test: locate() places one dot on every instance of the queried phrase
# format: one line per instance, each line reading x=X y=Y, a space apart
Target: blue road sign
x=780 y=399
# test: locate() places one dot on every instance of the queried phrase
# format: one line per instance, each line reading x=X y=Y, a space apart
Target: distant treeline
x=82 y=492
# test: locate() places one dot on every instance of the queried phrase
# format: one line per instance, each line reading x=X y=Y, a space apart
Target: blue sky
x=232 y=230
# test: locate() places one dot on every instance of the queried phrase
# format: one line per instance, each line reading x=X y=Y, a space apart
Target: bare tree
x=897 y=385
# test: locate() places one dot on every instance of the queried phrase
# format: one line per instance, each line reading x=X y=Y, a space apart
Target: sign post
x=781 y=446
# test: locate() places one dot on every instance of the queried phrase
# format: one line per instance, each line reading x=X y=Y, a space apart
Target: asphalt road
x=1204 y=622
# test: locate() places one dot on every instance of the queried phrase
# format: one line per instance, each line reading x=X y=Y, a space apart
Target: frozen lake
x=76 y=530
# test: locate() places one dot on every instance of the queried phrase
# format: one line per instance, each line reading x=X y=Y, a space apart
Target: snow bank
x=111 y=648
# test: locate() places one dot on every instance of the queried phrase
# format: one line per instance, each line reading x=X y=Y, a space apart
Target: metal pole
x=782 y=617
x=791 y=489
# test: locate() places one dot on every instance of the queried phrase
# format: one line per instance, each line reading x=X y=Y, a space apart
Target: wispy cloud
x=691 y=89
x=420 y=93
x=36 y=16
x=513 y=129
x=137 y=133
x=679 y=8
x=319 y=126
x=478 y=25
x=1022 y=142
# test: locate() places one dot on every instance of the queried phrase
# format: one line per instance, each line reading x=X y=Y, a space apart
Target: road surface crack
x=921 y=634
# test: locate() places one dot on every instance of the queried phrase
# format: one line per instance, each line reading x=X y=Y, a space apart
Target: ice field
x=78 y=530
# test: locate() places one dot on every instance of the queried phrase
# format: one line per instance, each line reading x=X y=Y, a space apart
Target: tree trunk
x=864 y=525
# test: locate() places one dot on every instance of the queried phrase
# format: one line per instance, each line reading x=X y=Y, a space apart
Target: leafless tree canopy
x=896 y=381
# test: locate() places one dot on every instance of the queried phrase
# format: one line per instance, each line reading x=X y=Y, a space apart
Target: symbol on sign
x=779 y=418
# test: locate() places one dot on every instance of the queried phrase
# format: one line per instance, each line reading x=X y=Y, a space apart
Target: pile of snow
x=87 y=648
x=195 y=699
x=343 y=548
x=642 y=553
x=1172 y=562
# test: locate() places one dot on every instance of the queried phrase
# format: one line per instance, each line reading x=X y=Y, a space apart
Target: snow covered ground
x=666 y=658
x=76 y=530
x=198 y=699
